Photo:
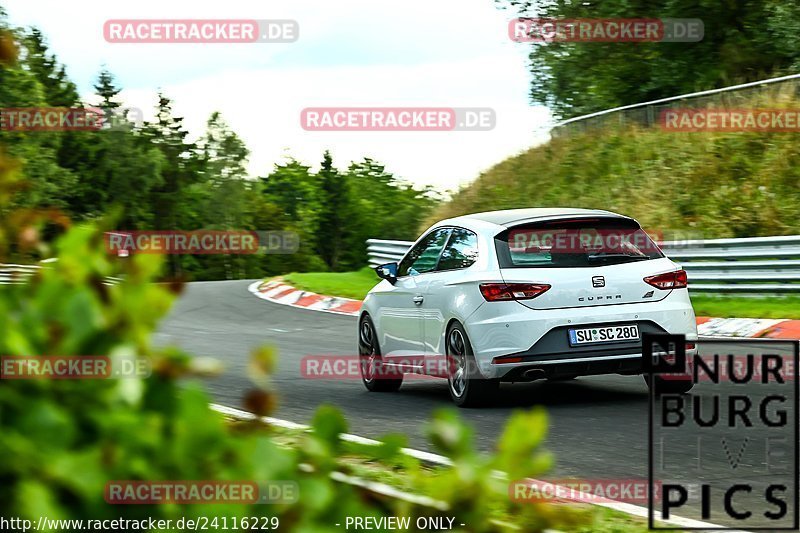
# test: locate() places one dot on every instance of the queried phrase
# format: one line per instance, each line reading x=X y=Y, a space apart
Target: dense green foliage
x=711 y=184
x=153 y=176
x=745 y=40
x=65 y=439
x=69 y=438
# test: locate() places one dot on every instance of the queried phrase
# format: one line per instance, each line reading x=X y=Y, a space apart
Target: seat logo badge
x=598 y=281
x=648 y=294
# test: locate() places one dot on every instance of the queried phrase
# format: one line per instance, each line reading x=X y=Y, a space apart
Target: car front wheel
x=468 y=388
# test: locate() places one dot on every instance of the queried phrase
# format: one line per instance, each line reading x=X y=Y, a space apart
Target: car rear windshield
x=575 y=243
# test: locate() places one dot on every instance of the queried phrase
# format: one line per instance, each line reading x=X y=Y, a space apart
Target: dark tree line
x=154 y=176
x=744 y=40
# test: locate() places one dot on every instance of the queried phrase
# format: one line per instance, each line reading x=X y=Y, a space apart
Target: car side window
x=461 y=250
x=424 y=256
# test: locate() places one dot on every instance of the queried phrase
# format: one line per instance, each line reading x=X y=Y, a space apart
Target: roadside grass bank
x=408 y=474
x=713 y=184
x=744 y=307
x=356 y=285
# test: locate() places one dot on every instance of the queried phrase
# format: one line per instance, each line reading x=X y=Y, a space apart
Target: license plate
x=624 y=332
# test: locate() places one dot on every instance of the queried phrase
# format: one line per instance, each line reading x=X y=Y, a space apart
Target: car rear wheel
x=373 y=374
x=468 y=388
x=668 y=386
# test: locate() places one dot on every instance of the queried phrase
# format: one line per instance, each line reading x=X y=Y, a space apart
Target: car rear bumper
x=576 y=366
x=539 y=338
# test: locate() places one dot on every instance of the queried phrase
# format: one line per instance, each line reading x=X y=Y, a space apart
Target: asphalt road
x=598 y=425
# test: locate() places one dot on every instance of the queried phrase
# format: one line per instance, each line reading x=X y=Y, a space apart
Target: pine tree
x=107 y=90
x=335 y=203
x=173 y=208
x=59 y=90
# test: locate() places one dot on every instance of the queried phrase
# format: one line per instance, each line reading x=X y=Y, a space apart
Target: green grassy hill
x=715 y=184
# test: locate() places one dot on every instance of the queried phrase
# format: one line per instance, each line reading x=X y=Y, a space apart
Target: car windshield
x=575 y=243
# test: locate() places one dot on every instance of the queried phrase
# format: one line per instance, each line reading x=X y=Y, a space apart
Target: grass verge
x=739 y=307
x=345 y=284
x=357 y=284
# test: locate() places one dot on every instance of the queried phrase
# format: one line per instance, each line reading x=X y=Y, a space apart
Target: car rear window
x=575 y=243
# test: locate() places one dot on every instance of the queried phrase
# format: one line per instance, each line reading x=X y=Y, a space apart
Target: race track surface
x=598 y=425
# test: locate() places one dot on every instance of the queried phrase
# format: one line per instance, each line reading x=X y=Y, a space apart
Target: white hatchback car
x=520 y=295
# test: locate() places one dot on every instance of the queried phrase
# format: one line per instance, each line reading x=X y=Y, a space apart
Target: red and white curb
x=753 y=328
x=279 y=292
x=440 y=460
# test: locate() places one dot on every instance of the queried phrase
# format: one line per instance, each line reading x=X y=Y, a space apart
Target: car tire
x=370 y=362
x=468 y=388
x=668 y=386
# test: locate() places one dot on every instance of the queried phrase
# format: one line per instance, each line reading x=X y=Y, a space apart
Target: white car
x=520 y=295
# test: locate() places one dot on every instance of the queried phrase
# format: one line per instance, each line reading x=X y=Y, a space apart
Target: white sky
x=357 y=53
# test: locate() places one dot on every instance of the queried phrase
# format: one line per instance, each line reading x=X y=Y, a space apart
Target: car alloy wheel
x=366 y=350
x=373 y=373
x=457 y=362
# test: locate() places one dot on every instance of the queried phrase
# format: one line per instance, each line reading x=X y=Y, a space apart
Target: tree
x=172 y=199
x=31 y=80
x=106 y=89
x=223 y=159
x=395 y=208
x=335 y=209
x=59 y=90
x=290 y=186
x=154 y=177
x=744 y=40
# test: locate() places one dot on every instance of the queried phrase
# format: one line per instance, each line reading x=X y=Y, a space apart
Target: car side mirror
x=387 y=272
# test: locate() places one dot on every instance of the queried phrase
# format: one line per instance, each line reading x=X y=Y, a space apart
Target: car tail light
x=670 y=280
x=498 y=292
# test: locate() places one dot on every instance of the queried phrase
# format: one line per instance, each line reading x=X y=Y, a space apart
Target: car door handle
x=418 y=299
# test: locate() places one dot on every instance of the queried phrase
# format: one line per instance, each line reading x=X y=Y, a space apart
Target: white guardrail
x=647 y=113
x=18 y=274
x=13 y=274
x=757 y=265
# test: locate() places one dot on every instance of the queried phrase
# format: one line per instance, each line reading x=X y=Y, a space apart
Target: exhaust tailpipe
x=533 y=374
